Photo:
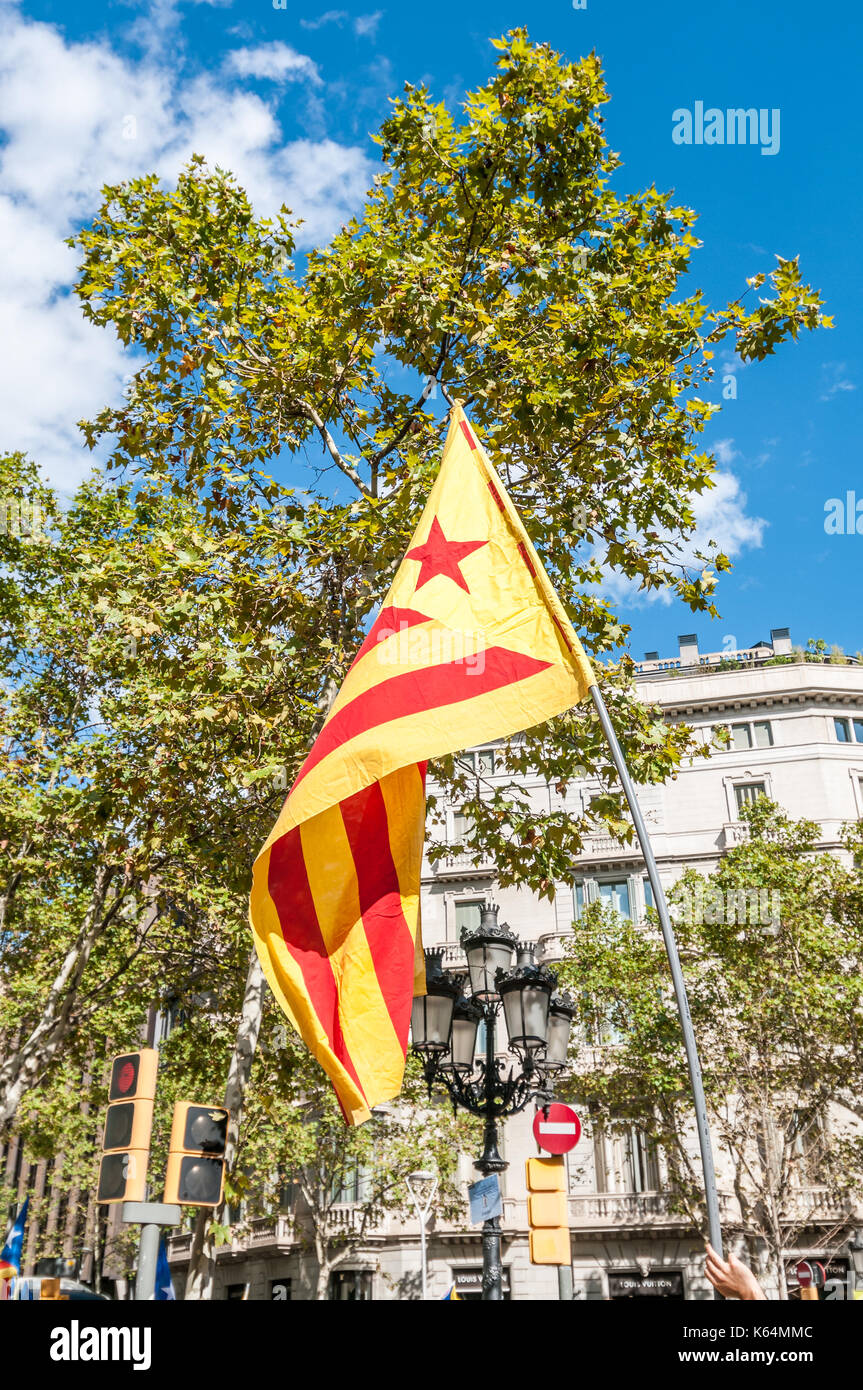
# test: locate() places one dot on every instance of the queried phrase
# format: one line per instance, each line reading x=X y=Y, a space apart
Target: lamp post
x=422 y=1187
x=444 y=1026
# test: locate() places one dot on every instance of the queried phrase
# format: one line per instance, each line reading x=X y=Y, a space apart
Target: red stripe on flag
x=497 y=497
x=522 y=550
x=387 y=932
x=288 y=886
x=416 y=692
x=467 y=434
x=389 y=622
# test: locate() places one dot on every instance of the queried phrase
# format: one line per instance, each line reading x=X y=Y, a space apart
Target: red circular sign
x=810 y=1272
x=126 y=1077
x=556 y=1128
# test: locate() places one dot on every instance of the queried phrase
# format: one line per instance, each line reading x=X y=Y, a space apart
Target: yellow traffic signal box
x=196 y=1160
x=128 y=1122
x=547 y=1211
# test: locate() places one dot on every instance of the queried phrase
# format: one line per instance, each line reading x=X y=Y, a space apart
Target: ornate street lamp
x=537 y=1021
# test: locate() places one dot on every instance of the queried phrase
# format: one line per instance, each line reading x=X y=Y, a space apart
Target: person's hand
x=731 y=1277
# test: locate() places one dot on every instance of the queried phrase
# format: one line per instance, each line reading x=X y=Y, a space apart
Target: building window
x=289 y=1195
x=626 y=1162
x=616 y=895
x=235 y=1293
x=352 y=1185
x=741 y=737
x=467 y=915
x=648 y=894
x=758 y=734
x=351 y=1285
x=481 y=761
x=613 y=893
x=748 y=792
x=848 y=730
x=462 y=825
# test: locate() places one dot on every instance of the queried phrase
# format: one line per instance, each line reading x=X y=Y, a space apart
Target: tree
x=493 y=256
x=774 y=961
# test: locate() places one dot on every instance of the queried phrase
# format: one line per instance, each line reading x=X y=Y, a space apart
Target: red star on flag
x=437 y=555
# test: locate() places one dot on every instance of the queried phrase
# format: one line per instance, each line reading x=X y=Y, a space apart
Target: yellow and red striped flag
x=471 y=644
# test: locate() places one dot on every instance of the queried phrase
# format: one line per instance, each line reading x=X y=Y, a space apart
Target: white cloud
x=366 y=25
x=73 y=117
x=328 y=17
x=725 y=452
x=276 y=62
x=834 y=379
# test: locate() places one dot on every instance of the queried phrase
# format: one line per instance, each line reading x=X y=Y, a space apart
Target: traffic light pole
x=151 y=1216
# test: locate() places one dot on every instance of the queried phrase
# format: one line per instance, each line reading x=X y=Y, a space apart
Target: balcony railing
x=610 y=1210
x=461 y=862
x=817 y=1205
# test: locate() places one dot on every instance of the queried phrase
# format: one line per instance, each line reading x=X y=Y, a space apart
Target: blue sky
x=288 y=97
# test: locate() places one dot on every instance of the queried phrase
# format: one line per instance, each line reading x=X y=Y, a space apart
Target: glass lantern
x=560 y=1015
x=489 y=948
x=466 y=1018
x=431 y=1013
x=526 y=993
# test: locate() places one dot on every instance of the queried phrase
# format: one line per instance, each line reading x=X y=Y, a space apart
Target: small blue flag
x=164 y=1283
x=10 y=1255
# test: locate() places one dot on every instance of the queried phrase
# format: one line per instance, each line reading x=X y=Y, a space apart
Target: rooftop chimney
x=688 y=649
x=780 y=638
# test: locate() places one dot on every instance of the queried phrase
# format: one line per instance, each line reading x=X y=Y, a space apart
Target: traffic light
x=546 y=1211
x=128 y=1122
x=196 y=1160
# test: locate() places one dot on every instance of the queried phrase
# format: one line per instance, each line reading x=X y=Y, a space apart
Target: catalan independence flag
x=471 y=644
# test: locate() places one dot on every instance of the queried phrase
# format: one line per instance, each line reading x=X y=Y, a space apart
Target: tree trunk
x=202 y=1259
x=21 y=1071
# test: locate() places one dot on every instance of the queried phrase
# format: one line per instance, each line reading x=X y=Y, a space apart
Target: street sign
x=810 y=1274
x=556 y=1128
x=485 y=1200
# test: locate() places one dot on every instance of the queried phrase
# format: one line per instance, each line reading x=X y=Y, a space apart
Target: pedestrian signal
x=196 y=1160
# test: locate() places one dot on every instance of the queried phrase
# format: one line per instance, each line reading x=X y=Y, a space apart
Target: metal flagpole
x=676 y=973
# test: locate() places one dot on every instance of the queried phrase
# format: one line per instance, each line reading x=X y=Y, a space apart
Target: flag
x=10 y=1255
x=471 y=644
x=164 y=1283
x=452 y=1295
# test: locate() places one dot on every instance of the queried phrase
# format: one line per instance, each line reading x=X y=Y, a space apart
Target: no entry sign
x=809 y=1273
x=557 y=1129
